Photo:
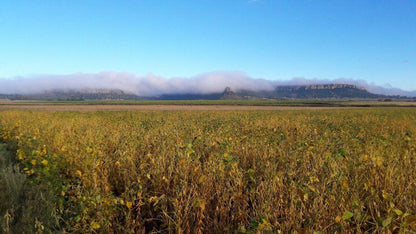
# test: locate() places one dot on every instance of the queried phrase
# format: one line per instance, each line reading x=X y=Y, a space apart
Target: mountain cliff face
x=230 y=95
x=318 y=87
x=323 y=91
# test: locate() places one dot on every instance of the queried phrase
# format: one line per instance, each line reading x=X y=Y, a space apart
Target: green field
x=327 y=103
x=341 y=170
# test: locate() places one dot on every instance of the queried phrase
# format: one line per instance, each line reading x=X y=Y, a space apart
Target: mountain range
x=292 y=92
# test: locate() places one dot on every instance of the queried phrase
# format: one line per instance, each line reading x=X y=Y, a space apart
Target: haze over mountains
x=158 y=86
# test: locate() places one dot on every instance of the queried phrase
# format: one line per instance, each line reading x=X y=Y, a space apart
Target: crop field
x=245 y=103
x=230 y=171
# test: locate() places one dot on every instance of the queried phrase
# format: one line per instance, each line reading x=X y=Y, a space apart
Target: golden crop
x=207 y=171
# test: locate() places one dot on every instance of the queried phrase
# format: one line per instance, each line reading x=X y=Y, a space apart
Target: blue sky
x=276 y=40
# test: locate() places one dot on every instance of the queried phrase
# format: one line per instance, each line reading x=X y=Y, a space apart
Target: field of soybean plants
x=343 y=170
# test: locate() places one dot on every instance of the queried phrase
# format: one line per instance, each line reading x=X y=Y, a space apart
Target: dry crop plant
x=231 y=171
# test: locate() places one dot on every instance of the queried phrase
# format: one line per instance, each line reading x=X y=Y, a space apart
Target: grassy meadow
x=343 y=170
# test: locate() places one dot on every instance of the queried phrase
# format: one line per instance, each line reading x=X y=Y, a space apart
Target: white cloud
x=151 y=85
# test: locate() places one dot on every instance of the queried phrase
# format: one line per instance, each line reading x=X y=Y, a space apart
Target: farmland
x=197 y=171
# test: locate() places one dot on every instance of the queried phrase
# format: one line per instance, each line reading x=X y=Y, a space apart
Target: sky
x=274 y=40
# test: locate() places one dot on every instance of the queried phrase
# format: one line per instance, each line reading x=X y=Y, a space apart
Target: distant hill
x=228 y=94
x=324 y=91
x=75 y=95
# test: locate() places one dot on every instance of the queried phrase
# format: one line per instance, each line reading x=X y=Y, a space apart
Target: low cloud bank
x=152 y=85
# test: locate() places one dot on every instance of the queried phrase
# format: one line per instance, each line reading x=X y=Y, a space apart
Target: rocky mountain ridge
x=317 y=91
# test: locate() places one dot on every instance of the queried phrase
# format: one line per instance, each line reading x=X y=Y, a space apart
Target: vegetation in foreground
x=235 y=171
x=266 y=102
x=25 y=207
